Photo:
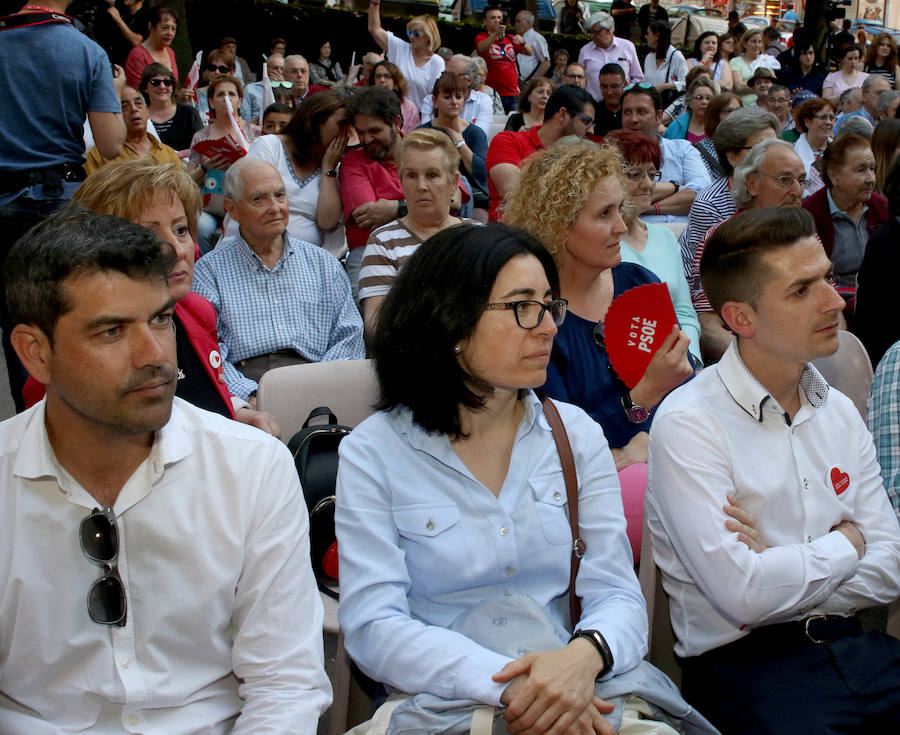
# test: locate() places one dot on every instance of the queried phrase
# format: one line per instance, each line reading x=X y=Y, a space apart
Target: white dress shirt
x=682 y=163
x=722 y=434
x=224 y=622
x=422 y=541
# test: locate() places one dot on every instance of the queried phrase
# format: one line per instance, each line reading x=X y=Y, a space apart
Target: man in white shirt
x=536 y=64
x=768 y=515
x=155 y=574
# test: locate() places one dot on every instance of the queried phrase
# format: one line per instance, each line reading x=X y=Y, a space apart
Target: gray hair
x=526 y=15
x=234 y=179
x=856 y=124
x=293 y=57
x=471 y=66
x=736 y=129
x=885 y=99
x=604 y=20
x=481 y=73
x=751 y=165
x=847 y=94
x=870 y=80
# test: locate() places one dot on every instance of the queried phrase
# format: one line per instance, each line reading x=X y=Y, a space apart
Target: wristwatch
x=595 y=637
x=676 y=185
x=332 y=173
x=460 y=143
x=636 y=414
x=402 y=209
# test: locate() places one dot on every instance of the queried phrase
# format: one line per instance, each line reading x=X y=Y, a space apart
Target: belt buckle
x=806 y=632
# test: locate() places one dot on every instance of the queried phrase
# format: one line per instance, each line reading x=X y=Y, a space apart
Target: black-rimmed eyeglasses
x=530 y=313
x=99 y=539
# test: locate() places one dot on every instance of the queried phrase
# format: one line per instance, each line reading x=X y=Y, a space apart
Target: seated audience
x=275 y=118
x=560 y=62
x=728 y=48
x=875 y=298
x=761 y=81
x=477 y=108
x=752 y=57
x=175 y=124
x=532 y=103
x=683 y=173
x=209 y=171
x=803 y=69
x=847 y=75
x=856 y=125
x=887 y=105
x=664 y=67
x=428 y=165
x=850 y=100
x=241 y=68
x=307 y=153
x=569 y=197
x=326 y=70
x=847 y=210
x=569 y=111
x=720 y=107
x=691 y=125
x=253 y=93
x=778 y=102
x=653 y=246
x=138 y=142
x=882 y=419
x=280 y=301
x=871 y=88
x=156 y=47
x=415 y=57
x=605 y=48
x=707 y=52
x=886 y=147
x=480 y=85
x=881 y=59
x=296 y=73
x=574 y=74
x=178 y=613
x=468 y=139
x=765 y=577
x=425 y=484
x=219 y=62
x=815 y=121
x=609 y=108
x=388 y=75
x=371 y=194
x=677 y=107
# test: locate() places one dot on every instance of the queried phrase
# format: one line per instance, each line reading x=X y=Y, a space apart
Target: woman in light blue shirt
x=452 y=497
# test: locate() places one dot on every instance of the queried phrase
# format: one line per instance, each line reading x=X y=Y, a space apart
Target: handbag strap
x=567 y=460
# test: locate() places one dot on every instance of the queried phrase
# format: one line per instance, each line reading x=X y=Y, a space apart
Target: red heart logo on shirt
x=839 y=480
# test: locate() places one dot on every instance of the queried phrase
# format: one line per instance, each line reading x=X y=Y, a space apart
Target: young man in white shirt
x=156 y=574
x=769 y=519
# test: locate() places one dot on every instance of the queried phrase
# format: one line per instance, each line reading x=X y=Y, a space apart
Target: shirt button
x=504 y=531
x=510 y=571
x=126 y=662
x=429 y=526
x=132 y=720
x=557 y=495
x=809 y=539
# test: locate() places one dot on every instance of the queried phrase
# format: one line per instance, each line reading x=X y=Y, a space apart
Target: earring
x=457 y=349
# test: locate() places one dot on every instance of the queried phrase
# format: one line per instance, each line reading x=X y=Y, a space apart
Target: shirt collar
x=751 y=395
x=257 y=262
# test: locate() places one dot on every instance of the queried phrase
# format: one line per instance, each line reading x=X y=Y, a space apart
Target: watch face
x=637 y=414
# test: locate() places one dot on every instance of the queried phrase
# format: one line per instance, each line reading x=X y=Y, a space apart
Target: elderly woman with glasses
x=175 y=123
x=415 y=57
x=815 y=121
x=452 y=512
x=606 y=48
x=571 y=197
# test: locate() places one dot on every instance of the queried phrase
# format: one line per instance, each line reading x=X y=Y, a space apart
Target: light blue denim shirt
x=422 y=541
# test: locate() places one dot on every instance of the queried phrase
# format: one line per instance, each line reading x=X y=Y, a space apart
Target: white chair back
x=849 y=370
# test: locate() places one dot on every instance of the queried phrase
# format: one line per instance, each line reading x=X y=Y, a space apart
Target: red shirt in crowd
x=365 y=180
x=509 y=147
x=501 y=63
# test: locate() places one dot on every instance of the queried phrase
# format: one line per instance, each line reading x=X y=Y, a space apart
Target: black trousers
x=851 y=685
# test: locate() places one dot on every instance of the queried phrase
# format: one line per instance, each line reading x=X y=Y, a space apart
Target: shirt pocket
x=431 y=536
x=550 y=506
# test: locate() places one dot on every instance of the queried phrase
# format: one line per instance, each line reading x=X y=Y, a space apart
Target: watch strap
x=599 y=642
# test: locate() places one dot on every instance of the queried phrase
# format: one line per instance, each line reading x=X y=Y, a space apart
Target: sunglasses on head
x=99 y=540
x=162 y=83
x=286 y=85
x=639 y=85
x=221 y=68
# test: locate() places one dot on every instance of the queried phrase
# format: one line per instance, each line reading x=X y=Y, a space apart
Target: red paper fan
x=636 y=324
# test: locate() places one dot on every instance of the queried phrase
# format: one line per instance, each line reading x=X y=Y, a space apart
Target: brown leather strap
x=571 y=478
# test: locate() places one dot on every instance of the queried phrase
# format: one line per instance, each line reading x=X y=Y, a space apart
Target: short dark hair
x=731 y=268
x=612 y=68
x=374 y=102
x=309 y=117
x=569 y=97
x=648 y=91
x=278 y=107
x=76 y=241
x=435 y=303
x=155 y=70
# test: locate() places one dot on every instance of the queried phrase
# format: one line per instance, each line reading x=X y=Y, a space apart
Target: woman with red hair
x=649 y=245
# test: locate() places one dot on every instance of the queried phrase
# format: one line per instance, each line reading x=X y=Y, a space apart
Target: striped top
x=388 y=249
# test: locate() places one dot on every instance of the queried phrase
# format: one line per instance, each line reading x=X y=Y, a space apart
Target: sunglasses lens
x=99 y=538
x=106 y=601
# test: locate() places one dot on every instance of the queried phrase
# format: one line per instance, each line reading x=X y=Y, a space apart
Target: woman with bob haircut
x=162 y=198
x=451 y=517
x=532 y=103
x=386 y=74
x=570 y=196
x=416 y=58
x=307 y=153
x=175 y=123
x=428 y=166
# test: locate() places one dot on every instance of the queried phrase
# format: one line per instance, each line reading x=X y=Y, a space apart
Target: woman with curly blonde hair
x=570 y=196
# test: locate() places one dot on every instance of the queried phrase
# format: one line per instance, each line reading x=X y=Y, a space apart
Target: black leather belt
x=51 y=177
x=811 y=631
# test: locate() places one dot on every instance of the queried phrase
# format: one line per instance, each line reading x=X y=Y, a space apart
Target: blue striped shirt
x=303 y=304
x=883 y=418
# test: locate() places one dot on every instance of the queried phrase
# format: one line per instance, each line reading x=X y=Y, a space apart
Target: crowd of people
x=466 y=218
